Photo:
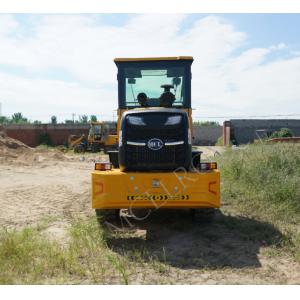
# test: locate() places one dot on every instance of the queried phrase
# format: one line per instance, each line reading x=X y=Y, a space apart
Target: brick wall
x=30 y=134
x=244 y=131
x=206 y=136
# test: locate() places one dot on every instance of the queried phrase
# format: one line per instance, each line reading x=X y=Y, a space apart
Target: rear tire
x=104 y=215
x=79 y=149
x=95 y=147
x=203 y=215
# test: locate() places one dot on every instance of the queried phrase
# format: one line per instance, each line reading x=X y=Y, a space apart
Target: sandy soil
x=56 y=189
x=48 y=185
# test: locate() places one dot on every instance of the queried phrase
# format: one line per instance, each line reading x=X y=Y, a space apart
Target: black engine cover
x=150 y=140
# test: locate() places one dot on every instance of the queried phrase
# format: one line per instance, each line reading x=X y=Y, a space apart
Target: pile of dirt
x=10 y=143
x=15 y=152
x=10 y=149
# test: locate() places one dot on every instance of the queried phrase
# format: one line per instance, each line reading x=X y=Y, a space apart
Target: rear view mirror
x=176 y=81
x=131 y=80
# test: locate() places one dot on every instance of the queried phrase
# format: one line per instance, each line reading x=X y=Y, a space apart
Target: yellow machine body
x=114 y=189
x=111 y=140
x=106 y=138
x=74 y=140
x=95 y=139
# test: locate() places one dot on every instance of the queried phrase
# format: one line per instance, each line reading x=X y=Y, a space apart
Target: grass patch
x=263 y=181
x=44 y=147
x=28 y=257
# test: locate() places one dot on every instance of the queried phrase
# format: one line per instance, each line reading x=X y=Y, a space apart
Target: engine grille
x=168 y=156
x=171 y=134
x=139 y=156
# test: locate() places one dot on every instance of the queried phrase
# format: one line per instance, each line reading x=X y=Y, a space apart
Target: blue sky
x=262 y=29
x=266 y=29
x=62 y=64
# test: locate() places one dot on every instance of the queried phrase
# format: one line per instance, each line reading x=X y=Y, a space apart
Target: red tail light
x=206 y=166
x=103 y=166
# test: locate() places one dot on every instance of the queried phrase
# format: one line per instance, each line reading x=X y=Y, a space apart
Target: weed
x=119 y=265
x=27 y=257
x=262 y=181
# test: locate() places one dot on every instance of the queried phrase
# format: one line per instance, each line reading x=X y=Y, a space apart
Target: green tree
x=93 y=118
x=53 y=120
x=83 y=119
x=69 y=122
x=44 y=139
x=283 y=132
x=17 y=118
x=37 y=122
x=4 y=120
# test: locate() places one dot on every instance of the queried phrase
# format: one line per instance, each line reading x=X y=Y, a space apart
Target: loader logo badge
x=155 y=144
x=157 y=197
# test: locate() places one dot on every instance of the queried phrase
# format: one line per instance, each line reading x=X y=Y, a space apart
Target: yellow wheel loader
x=155 y=166
x=99 y=138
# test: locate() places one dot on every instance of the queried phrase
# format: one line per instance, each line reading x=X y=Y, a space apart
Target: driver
x=142 y=99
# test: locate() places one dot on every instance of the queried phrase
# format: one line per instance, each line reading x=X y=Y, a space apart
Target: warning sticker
x=157 y=197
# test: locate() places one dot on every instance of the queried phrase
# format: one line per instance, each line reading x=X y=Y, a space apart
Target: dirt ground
x=39 y=185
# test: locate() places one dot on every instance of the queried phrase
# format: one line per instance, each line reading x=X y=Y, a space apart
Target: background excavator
x=99 y=139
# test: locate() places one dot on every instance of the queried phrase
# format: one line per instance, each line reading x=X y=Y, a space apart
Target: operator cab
x=154 y=82
x=95 y=131
x=154 y=113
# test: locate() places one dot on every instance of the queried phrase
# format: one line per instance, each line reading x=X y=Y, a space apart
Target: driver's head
x=142 y=99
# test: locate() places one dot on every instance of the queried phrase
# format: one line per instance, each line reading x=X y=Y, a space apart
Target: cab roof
x=173 y=58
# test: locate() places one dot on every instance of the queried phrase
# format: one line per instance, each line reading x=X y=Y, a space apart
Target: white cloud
x=226 y=81
x=280 y=46
x=7 y=24
x=39 y=99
